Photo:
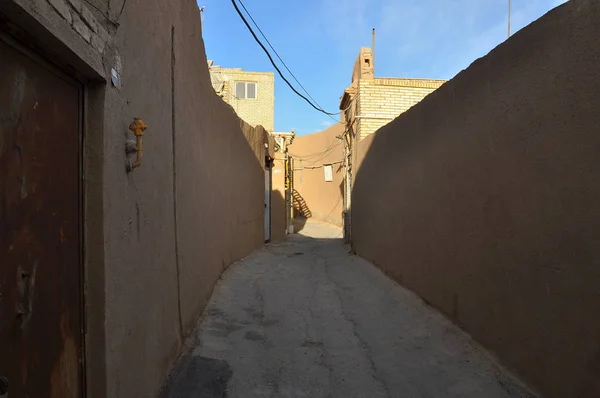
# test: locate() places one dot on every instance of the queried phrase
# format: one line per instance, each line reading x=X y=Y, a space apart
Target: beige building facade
x=250 y=94
x=369 y=103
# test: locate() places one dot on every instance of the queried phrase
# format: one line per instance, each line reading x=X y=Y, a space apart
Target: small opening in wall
x=368 y=62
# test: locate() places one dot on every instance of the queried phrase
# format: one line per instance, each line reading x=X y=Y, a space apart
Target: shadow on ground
x=198 y=377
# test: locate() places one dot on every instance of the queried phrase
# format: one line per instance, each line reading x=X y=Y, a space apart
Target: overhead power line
x=317 y=107
x=317 y=154
x=276 y=53
x=317 y=167
x=315 y=158
x=282 y=61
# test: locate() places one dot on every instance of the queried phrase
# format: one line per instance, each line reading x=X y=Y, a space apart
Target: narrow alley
x=303 y=319
x=178 y=220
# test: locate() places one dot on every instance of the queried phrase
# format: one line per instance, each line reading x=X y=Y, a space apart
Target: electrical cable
x=319 y=157
x=318 y=108
x=324 y=155
x=321 y=154
x=317 y=154
x=283 y=62
x=314 y=155
x=317 y=167
x=277 y=54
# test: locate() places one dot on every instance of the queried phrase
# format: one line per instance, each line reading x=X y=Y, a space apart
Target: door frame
x=26 y=50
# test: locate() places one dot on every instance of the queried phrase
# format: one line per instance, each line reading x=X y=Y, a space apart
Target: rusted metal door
x=40 y=257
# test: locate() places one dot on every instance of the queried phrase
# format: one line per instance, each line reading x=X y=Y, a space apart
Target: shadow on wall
x=300 y=207
x=483 y=198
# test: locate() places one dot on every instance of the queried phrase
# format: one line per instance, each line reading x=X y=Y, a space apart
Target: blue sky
x=320 y=39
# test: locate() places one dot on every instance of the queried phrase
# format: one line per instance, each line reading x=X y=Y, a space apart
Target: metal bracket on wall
x=138 y=127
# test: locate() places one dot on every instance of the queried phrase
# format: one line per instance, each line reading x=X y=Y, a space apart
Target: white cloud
x=326 y=123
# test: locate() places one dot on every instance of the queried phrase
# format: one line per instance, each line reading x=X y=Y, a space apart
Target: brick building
x=251 y=94
x=370 y=103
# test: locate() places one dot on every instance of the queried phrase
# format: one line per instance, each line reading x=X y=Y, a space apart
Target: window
x=328 y=171
x=245 y=90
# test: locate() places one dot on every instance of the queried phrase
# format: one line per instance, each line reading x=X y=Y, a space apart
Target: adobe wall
x=483 y=199
x=316 y=197
x=156 y=239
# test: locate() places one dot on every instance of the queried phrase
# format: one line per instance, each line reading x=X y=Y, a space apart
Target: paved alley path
x=306 y=319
